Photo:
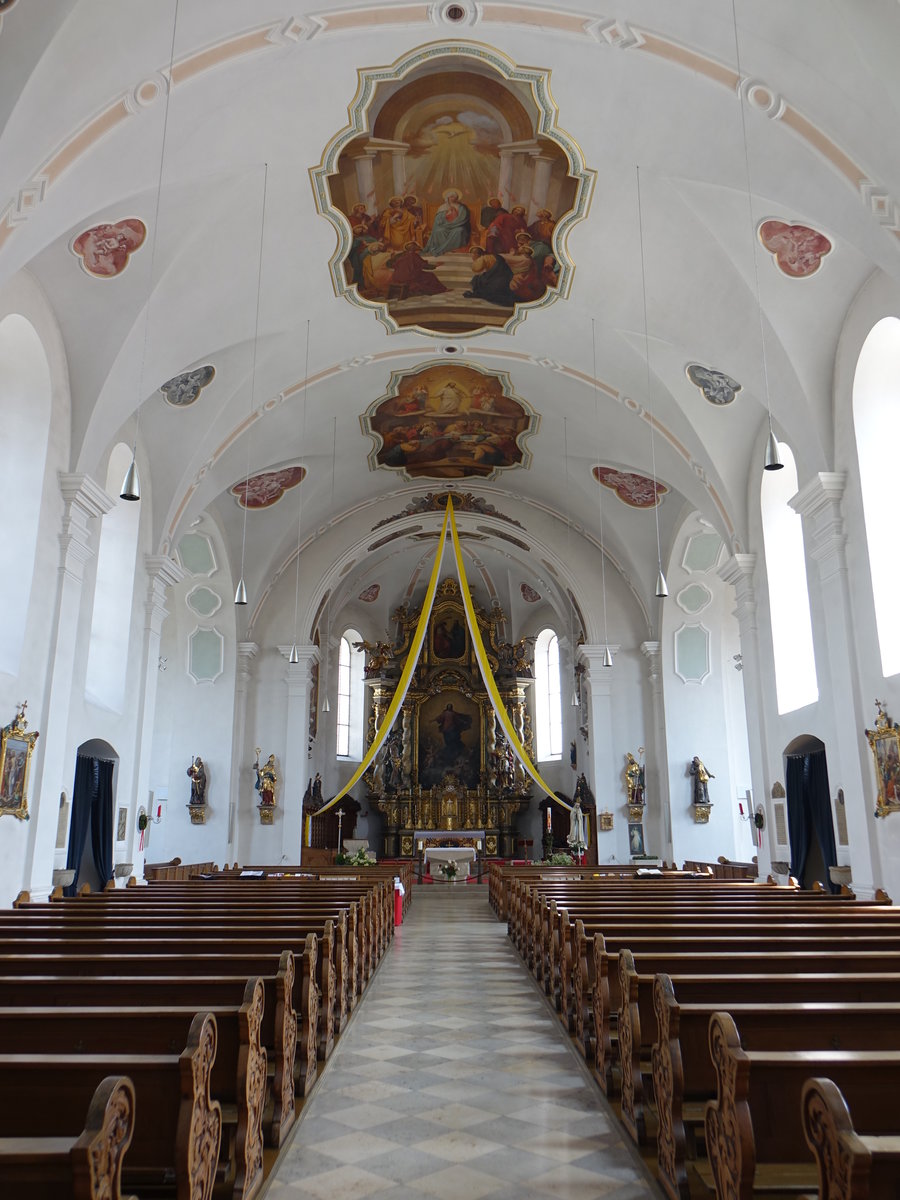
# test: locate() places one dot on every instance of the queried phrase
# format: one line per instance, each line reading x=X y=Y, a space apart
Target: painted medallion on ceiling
x=104 y=250
x=637 y=491
x=182 y=390
x=267 y=488
x=798 y=250
x=449 y=421
x=452 y=192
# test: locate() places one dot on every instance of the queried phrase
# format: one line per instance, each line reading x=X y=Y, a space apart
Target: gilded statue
x=380 y=654
x=701 y=779
x=266 y=780
x=634 y=779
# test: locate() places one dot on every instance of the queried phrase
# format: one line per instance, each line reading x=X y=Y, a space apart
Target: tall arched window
x=547 y=698
x=351 y=669
x=792 y=641
x=25 y=404
x=876 y=421
x=111 y=619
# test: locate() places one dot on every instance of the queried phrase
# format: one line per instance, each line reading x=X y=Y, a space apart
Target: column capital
x=593 y=656
x=298 y=674
x=819 y=503
x=652 y=652
x=162 y=573
x=83 y=500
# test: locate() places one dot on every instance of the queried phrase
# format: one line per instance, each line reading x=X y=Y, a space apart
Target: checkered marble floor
x=455 y=1082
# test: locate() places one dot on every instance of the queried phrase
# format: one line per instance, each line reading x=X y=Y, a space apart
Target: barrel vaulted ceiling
x=552 y=106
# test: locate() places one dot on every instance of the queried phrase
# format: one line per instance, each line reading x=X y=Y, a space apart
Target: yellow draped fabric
x=487 y=675
x=412 y=660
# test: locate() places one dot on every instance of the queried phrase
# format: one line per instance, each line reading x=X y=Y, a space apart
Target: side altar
x=446 y=767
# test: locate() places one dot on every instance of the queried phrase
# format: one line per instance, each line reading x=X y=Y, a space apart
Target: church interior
x=504 y=475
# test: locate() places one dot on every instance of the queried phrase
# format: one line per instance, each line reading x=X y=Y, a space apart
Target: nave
x=454 y=1079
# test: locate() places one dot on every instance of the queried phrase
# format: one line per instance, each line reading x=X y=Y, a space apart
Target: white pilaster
x=739 y=571
x=819 y=504
x=54 y=766
x=658 y=810
x=246 y=652
x=604 y=783
x=162 y=573
x=298 y=679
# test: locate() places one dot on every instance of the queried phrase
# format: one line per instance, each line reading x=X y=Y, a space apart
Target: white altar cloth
x=461 y=855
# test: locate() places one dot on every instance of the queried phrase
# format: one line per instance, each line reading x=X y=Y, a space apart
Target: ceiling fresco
x=452 y=192
x=798 y=250
x=449 y=421
x=637 y=491
x=267 y=488
x=104 y=250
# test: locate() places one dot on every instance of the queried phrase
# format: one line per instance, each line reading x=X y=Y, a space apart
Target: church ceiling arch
x=449 y=421
x=452 y=192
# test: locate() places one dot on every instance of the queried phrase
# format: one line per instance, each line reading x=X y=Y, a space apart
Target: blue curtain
x=809 y=811
x=83 y=792
x=102 y=821
x=799 y=831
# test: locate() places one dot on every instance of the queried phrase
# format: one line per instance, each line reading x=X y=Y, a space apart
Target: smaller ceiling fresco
x=104 y=250
x=182 y=390
x=264 y=490
x=797 y=249
x=449 y=421
x=717 y=387
x=529 y=595
x=637 y=491
x=452 y=192
x=370 y=594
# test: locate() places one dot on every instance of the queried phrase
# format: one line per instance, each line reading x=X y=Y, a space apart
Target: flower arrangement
x=559 y=860
x=359 y=859
x=448 y=870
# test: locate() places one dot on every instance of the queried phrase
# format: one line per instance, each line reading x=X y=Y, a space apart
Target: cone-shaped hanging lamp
x=240 y=593
x=607 y=657
x=131 y=484
x=662 y=589
x=773 y=458
x=293 y=657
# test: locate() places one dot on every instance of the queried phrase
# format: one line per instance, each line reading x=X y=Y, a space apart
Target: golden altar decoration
x=446 y=765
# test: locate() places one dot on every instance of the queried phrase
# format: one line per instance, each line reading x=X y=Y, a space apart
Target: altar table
x=461 y=855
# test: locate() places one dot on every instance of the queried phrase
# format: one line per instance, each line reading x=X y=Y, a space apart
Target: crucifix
x=340 y=817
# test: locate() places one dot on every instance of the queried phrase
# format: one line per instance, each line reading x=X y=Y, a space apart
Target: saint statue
x=266 y=780
x=634 y=779
x=197 y=775
x=701 y=779
x=576 y=839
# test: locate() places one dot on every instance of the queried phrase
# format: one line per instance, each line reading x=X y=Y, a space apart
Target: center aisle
x=455 y=1080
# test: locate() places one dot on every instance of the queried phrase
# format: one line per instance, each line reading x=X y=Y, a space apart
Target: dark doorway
x=810 y=821
x=90 y=852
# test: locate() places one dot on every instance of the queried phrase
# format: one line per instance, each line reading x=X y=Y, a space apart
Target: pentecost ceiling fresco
x=452 y=192
x=449 y=421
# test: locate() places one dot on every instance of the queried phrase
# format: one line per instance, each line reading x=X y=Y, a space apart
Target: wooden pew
x=683 y=1072
x=237 y=1078
x=851 y=1166
x=177 y=1126
x=87 y=1167
x=754 y=1134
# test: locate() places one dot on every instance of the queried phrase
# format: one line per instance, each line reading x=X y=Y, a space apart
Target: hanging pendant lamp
x=773 y=457
x=131 y=484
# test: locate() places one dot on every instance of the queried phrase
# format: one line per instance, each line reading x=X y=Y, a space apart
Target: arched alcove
x=809 y=810
x=92 y=825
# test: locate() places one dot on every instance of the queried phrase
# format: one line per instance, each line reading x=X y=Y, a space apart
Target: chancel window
x=547 y=696
x=792 y=640
x=876 y=420
x=350 y=692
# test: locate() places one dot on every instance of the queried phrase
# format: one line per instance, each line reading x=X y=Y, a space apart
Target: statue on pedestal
x=197 y=774
x=701 y=779
x=266 y=780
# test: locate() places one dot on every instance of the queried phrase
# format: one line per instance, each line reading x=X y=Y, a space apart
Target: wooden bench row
x=97 y=988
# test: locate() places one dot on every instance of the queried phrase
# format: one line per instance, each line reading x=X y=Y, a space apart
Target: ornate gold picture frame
x=16 y=746
x=884 y=740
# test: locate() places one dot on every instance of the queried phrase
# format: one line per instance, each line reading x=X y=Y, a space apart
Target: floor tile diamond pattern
x=455 y=1082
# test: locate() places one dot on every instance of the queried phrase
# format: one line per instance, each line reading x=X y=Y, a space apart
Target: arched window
x=547 y=699
x=792 y=641
x=25 y=404
x=350 y=694
x=111 y=619
x=876 y=421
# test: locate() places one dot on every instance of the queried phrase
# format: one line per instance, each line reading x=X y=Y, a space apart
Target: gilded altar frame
x=16 y=747
x=884 y=742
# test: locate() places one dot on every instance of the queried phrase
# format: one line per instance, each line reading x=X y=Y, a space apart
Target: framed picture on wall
x=636 y=839
x=884 y=741
x=16 y=746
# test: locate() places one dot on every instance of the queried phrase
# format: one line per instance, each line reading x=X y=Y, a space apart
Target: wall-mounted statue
x=266 y=780
x=634 y=779
x=197 y=774
x=701 y=778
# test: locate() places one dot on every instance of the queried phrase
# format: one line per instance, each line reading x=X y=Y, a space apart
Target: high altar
x=446 y=769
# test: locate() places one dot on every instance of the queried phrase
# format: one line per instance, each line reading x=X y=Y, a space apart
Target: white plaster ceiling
x=642 y=82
